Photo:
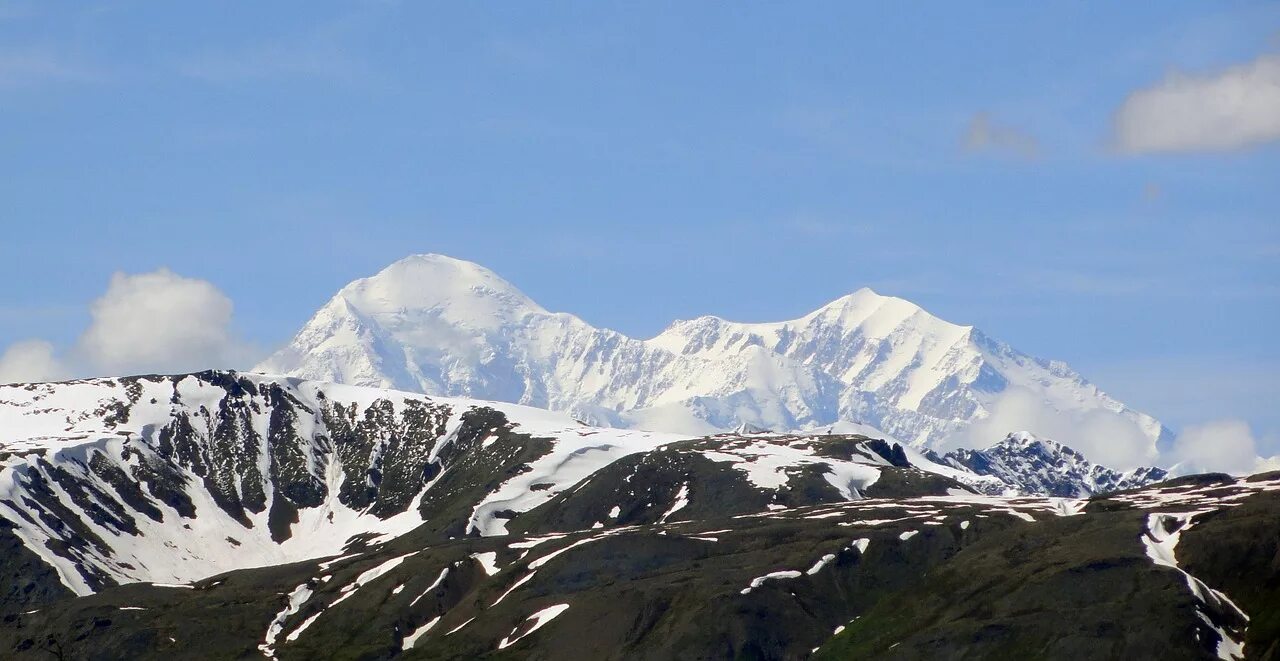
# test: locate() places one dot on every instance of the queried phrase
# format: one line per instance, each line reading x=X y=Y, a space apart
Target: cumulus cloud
x=160 y=322
x=148 y=322
x=985 y=135
x=29 y=361
x=1101 y=436
x=1232 y=109
x=1222 y=446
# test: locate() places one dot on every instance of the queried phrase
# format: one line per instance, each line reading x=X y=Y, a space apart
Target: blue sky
x=639 y=163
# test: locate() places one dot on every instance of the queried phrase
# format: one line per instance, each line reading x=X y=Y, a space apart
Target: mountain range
x=436 y=467
x=443 y=326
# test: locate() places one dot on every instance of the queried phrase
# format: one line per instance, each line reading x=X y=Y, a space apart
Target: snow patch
x=771 y=576
x=412 y=639
x=539 y=619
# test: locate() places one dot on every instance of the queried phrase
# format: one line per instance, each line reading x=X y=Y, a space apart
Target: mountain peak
x=460 y=290
x=865 y=304
x=1027 y=442
x=1039 y=465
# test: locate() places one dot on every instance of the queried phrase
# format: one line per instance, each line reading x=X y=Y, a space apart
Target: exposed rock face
x=1030 y=465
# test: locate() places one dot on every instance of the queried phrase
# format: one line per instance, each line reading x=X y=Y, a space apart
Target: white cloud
x=1235 y=108
x=160 y=322
x=1101 y=436
x=1188 y=390
x=1222 y=446
x=986 y=135
x=157 y=322
x=28 y=361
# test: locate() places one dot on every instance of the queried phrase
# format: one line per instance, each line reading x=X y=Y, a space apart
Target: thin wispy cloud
x=39 y=65
x=987 y=135
x=300 y=60
x=1235 y=108
x=326 y=52
x=12 y=10
x=819 y=227
x=1094 y=284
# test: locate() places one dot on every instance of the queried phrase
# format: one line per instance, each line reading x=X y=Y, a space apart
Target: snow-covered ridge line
x=171 y=479
x=444 y=326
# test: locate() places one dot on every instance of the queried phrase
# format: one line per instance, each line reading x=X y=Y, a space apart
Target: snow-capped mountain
x=443 y=326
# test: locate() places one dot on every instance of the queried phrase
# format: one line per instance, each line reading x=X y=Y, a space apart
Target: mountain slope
x=911 y=577
x=230 y=515
x=443 y=326
x=176 y=478
x=161 y=478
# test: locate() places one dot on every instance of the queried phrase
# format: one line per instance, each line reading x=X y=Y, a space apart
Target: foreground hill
x=223 y=515
x=443 y=326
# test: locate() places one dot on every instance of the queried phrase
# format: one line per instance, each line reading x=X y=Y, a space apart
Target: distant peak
x=864 y=302
x=436 y=258
x=860 y=295
x=867 y=297
x=433 y=280
x=441 y=264
x=1025 y=440
x=747 y=429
